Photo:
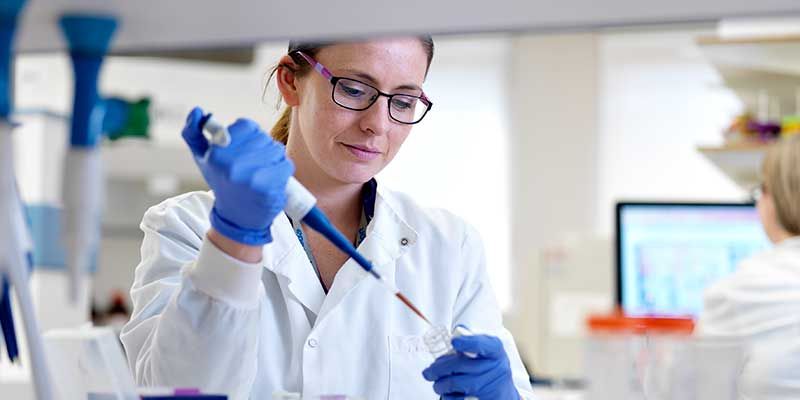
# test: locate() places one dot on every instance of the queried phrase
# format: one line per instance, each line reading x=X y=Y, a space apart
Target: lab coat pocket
x=408 y=357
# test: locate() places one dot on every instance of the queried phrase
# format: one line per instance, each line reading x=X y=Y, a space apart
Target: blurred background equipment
x=668 y=253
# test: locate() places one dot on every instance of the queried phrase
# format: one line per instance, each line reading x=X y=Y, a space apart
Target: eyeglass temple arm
x=423 y=96
x=317 y=66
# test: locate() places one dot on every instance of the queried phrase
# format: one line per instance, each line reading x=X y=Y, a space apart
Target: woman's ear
x=287 y=81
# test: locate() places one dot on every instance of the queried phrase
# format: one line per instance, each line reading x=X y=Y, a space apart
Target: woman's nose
x=376 y=118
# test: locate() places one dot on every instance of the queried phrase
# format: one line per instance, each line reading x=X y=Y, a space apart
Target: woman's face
x=353 y=146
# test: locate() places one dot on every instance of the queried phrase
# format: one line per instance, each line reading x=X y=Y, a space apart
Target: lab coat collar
x=793 y=241
x=286 y=258
x=390 y=232
x=389 y=236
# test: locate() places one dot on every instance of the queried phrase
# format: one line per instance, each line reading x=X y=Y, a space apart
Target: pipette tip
x=408 y=303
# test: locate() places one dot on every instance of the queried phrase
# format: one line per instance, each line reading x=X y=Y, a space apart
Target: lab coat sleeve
x=477 y=308
x=759 y=299
x=720 y=314
x=195 y=321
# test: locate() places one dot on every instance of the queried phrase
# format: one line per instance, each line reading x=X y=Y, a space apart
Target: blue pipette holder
x=88 y=38
x=9 y=11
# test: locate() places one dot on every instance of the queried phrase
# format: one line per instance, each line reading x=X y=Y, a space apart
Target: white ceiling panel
x=182 y=24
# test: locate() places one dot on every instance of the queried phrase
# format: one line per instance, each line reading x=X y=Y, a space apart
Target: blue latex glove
x=487 y=376
x=248 y=178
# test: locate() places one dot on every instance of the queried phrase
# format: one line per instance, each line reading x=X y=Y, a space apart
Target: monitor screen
x=668 y=253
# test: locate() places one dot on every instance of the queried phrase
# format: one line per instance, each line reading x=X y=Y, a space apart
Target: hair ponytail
x=280 y=131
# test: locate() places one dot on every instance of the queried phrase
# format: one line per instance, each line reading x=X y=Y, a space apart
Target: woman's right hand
x=248 y=178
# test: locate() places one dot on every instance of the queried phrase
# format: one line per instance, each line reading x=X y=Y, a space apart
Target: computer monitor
x=668 y=253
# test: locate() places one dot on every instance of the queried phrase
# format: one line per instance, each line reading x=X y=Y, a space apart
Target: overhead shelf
x=769 y=53
x=741 y=163
x=751 y=66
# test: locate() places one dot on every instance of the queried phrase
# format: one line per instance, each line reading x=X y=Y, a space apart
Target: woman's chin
x=356 y=174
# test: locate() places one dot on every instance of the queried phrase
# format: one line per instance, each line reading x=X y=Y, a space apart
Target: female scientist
x=759 y=302
x=232 y=296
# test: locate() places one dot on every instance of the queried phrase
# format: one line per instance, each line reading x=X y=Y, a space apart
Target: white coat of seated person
x=759 y=303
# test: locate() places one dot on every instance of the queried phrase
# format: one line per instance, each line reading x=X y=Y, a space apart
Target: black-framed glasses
x=355 y=95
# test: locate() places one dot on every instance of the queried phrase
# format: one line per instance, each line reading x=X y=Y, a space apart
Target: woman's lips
x=362 y=153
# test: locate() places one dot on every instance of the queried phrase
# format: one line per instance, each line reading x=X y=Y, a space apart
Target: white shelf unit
x=751 y=66
x=740 y=163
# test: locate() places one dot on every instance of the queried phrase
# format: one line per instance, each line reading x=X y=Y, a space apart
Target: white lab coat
x=759 y=304
x=203 y=319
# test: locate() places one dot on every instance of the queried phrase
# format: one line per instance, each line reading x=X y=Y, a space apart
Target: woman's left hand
x=486 y=376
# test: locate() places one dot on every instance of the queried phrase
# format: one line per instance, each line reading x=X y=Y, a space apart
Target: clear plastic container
x=89 y=363
x=704 y=368
x=623 y=355
x=654 y=358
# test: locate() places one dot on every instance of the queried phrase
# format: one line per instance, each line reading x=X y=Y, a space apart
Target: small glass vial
x=439 y=340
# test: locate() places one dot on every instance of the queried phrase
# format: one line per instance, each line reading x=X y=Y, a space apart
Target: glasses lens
x=755 y=193
x=353 y=94
x=407 y=109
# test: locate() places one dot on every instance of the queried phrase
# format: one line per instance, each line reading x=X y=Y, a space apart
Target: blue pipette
x=301 y=206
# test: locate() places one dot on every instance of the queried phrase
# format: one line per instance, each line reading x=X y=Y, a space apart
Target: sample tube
x=439 y=340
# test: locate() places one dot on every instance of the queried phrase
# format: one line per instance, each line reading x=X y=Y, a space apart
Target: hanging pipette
x=15 y=241
x=301 y=206
x=88 y=37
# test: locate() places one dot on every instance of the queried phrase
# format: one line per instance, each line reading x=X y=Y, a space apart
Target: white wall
x=553 y=96
x=457 y=158
x=659 y=99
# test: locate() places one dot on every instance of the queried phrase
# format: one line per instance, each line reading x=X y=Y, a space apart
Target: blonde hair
x=280 y=131
x=781 y=174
